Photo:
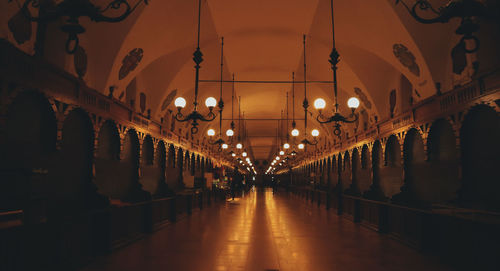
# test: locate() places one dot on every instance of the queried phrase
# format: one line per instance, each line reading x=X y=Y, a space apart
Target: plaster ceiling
x=263 y=41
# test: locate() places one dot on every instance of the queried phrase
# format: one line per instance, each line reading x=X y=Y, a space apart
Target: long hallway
x=262 y=231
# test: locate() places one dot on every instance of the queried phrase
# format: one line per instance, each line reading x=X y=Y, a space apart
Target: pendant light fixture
x=305 y=104
x=211 y=132
x=239 y=145
x=210 y=102
x=71 y=11
x=320 y=103
x=230 y=131
x=295 y=132
x=287 y=146
x=467 y=10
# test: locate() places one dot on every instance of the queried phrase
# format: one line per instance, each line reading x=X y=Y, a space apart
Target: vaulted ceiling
x=381 y=47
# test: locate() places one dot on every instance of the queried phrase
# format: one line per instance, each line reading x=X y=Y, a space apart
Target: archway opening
x=480 y=158
x=391 y=178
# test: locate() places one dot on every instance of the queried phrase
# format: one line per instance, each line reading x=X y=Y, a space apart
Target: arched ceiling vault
x=263 y=41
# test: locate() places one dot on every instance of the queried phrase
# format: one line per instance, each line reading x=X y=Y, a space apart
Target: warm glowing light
x=225 y=146
x=286 y=146
x=295 y=132
x=239 y=146
x=315 y=132
x=244 y=154
x=301 y=146
x=210 y=102
x=180 y=102
x=353 y=102
x=211 y=132
x=233 y=154
x=319 y=103
x=229 y=132
x=277 y=158
x=282 y=152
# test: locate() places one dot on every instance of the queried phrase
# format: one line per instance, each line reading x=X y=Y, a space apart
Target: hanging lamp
x=320 y=103
x=210 y=102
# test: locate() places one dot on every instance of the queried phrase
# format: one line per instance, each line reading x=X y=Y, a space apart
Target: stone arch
x=147 y=155
x=391 y=174
x=107 y=158
x=131 y=147
x=198 y=165
x=171 y=170
x=187 y=160
x=129 y=188
x=72 y=176
x=324 y=172
x=192 y=164
x=415 y=168
x=480 y=148
x=180 y=167
x=346 y=171
x=364 y=180
x=202 y=165
x=153 y=167
x=108 y=141
x=334 y=171
x=161 y=155
x=443 y=163
x=375 y=191
x=171 y=156
x=329 y=172
x=392 y=151
x=207 y=165
x=365 y=157
x=376 y=160
x=355 y=169
x=30 y=143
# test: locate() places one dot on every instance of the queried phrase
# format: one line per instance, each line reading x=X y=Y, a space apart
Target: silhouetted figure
x=232 y=186
x=236 y=182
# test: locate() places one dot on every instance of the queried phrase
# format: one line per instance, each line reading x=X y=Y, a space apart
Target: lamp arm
x=116 y=4
x=49 y=14
x=180 y=118
x=424 y=5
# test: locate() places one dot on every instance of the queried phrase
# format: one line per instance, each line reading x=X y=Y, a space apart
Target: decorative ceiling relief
x=168 y=100
x=363 y=98
x=80 y=62
x=406 y=57
x=130 y=62
x=20 y=27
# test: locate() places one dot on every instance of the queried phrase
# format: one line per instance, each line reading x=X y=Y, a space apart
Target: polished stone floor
x=263 y=232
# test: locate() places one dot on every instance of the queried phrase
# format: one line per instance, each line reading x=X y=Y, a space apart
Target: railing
x=466 y=238
x=69 y=241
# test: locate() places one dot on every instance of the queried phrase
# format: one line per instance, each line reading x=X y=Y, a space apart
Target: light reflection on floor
x=265 y=231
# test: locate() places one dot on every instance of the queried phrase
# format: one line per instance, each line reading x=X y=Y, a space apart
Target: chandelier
x=239 y=145
x=211 y=132
x=295 y=132
x=320 y=103
x=466 y=10
x=305 y=105
x=286 y=145
x=210 y=102
x=72 y=10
